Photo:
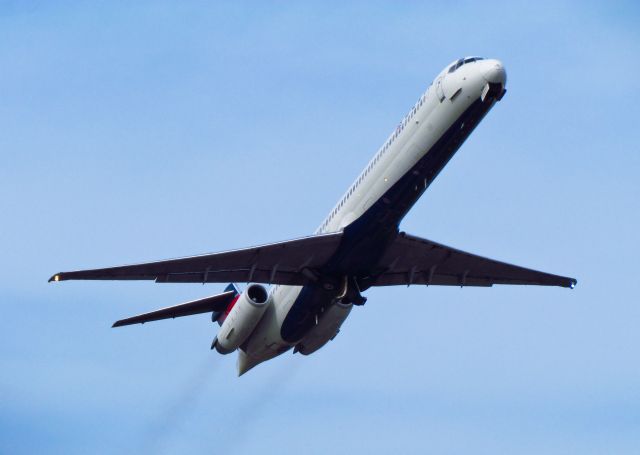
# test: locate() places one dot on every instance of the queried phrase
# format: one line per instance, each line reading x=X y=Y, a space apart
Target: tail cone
x=245 y=363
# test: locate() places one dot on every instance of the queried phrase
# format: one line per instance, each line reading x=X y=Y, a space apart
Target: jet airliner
x=315 y=281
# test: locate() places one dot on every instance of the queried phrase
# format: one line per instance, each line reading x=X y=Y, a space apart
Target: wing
x=412 y=260
x=291 y=262
x=207 y=305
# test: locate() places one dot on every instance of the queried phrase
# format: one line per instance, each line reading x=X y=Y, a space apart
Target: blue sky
x=144 y=131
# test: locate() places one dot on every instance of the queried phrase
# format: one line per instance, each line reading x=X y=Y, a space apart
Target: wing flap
x=217 y=302
x=413 y=260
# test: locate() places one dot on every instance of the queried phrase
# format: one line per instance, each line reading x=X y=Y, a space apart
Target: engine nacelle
x=242 y=319
x=326 y=330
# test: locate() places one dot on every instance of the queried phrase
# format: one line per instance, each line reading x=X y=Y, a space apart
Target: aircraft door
x=439 y=90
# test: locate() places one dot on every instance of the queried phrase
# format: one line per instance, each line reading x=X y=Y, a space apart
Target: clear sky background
x=136 y=131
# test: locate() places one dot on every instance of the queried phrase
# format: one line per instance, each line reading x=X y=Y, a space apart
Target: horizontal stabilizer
x=207 y=305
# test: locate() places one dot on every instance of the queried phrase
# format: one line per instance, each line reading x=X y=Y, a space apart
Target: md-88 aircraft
x=316 y=280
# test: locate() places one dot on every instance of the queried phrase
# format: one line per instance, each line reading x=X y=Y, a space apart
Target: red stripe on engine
x=229 y=308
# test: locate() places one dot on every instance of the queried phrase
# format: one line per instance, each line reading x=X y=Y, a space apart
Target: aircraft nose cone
x=495 y=73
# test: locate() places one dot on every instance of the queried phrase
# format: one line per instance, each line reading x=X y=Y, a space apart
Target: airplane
x=315 y=281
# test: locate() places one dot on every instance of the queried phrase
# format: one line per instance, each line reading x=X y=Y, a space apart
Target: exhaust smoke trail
x=240 y=424
x=176 y=412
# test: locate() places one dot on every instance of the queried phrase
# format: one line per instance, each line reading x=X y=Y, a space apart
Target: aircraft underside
x=318 y=279
x=356 y=263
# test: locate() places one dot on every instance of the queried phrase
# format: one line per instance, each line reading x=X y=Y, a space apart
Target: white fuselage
x=446 y=99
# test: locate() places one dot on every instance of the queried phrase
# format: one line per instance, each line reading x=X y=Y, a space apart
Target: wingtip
x=117 y=324
x=56 y=277
x=572 y=283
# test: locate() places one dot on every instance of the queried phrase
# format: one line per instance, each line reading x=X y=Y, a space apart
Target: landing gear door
x=439 y=91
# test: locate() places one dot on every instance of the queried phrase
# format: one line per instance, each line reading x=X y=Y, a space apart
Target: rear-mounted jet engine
x=242 y=319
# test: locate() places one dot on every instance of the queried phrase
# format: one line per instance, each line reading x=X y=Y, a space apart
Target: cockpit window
x=456 y=65
x=463 y=61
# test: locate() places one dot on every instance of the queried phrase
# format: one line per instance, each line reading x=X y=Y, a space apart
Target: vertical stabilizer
x=220 y=316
